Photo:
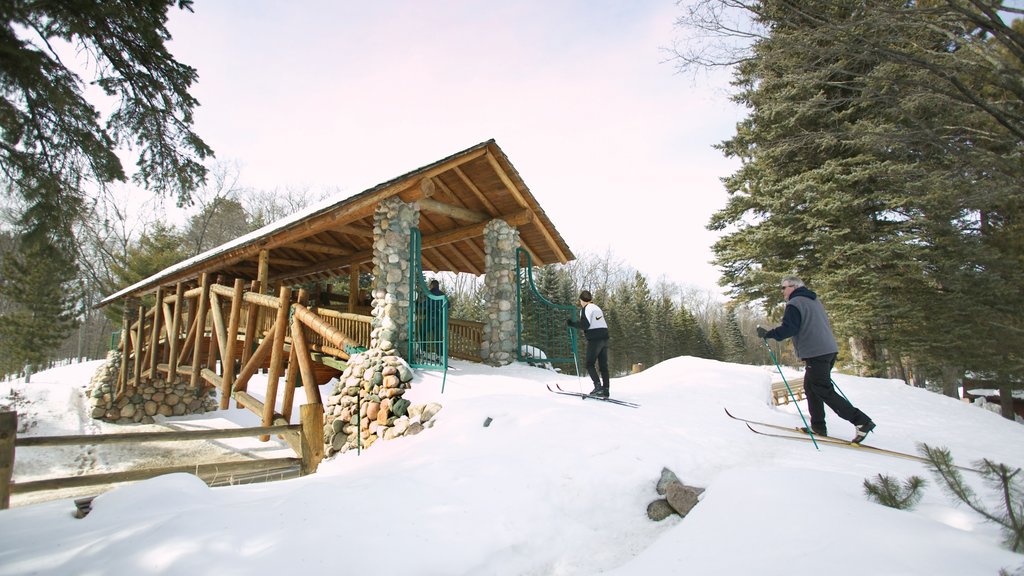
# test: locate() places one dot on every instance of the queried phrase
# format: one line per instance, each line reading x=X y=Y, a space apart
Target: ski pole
x=840 y=390
x=807 y=426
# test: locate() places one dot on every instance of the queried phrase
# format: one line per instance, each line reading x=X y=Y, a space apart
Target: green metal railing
x=543 y=336
x=428 y=317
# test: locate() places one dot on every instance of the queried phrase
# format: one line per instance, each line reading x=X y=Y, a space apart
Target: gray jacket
x=806 y=321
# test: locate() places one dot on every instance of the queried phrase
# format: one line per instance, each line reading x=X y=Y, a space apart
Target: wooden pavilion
x=213 y=320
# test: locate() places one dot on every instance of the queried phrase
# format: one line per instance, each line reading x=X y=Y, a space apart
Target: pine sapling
x=1007 y=482
x=888 y=491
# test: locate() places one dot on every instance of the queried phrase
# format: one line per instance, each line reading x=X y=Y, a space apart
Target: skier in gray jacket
x=806 y=321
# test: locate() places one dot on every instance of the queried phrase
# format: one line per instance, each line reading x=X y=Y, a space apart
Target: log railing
x=217 y=336
x=306 y=437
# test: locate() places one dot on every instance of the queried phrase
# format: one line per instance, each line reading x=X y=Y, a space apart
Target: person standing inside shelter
x=595 y=327
x=806 y=321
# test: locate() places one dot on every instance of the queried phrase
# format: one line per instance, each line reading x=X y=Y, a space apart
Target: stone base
x=141 y=405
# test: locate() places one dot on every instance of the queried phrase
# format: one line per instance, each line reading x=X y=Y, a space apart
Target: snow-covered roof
x=458 y=195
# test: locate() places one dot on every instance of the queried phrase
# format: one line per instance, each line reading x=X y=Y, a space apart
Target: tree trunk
x=1006 y=401
x=950 y=382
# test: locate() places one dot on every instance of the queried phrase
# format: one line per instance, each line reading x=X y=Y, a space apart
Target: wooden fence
x=307 y=437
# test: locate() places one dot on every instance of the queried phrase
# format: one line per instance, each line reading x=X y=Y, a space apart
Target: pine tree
x=865 y=132
x=42 y=300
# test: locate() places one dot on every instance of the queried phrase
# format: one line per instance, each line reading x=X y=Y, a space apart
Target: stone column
x=393 y=222
x=499 y=340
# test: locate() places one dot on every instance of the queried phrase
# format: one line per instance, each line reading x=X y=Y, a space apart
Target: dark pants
x=820 y=392
x=597 y=351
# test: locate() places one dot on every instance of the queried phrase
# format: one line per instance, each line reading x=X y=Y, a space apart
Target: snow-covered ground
x=552 y=486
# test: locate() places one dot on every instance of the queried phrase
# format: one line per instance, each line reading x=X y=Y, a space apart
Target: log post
x=305 y=365
x=251 y=318
x=292 y=373
x=276 y=357
x=122 y=375
x=353 y=288
x=311 y=416
x=154 y=343
x=172 y=369
x=203 y=306
x=140 y=343
x=230 y=350
x=8 y=431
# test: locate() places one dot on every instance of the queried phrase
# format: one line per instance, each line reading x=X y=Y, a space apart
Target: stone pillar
x=499 y=340
x=392 y=225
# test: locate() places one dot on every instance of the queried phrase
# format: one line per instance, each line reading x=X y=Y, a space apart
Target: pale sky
x=340 y=95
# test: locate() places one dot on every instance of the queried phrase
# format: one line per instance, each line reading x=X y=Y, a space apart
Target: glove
x=761 y=332
x=568 y=322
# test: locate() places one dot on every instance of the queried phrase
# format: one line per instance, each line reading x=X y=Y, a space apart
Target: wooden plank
x=136 y=437
x=8 y=436
x=208 y=472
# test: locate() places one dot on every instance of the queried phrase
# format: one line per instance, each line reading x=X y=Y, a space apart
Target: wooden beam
x=230 y=351
x=514 y=190
x=353 y=287
x=452 y=211
x=172 y=368
x=311 y=415
x=276 y=357
x=476 y=192
x=252 y=365
x=321 y=248
x=197 y=350
x=154 y=345
x=514 y=220
x=292 y=372
x=304 y=362
x=218 y=333
x=263 y=270
x=139 y=338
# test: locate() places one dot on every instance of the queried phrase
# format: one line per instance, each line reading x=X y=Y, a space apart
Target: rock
x=682 y=498
x=667 y=476
x=429 y=411
x=659 y=510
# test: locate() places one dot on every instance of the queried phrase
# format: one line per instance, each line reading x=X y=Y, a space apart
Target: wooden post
x=276 y=357
x=140 y=343
x=231 y=341
x=172 y=370
x=292 y=373
x=203 y=305
x=154 y=343
x=353 y=288
x=8 y=431
x=251 y=318
x=122 y=376
x=311 y=416
x=305 y=365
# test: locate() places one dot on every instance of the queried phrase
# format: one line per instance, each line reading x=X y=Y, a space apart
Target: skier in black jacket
x=806 y=321
x=594 y=326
